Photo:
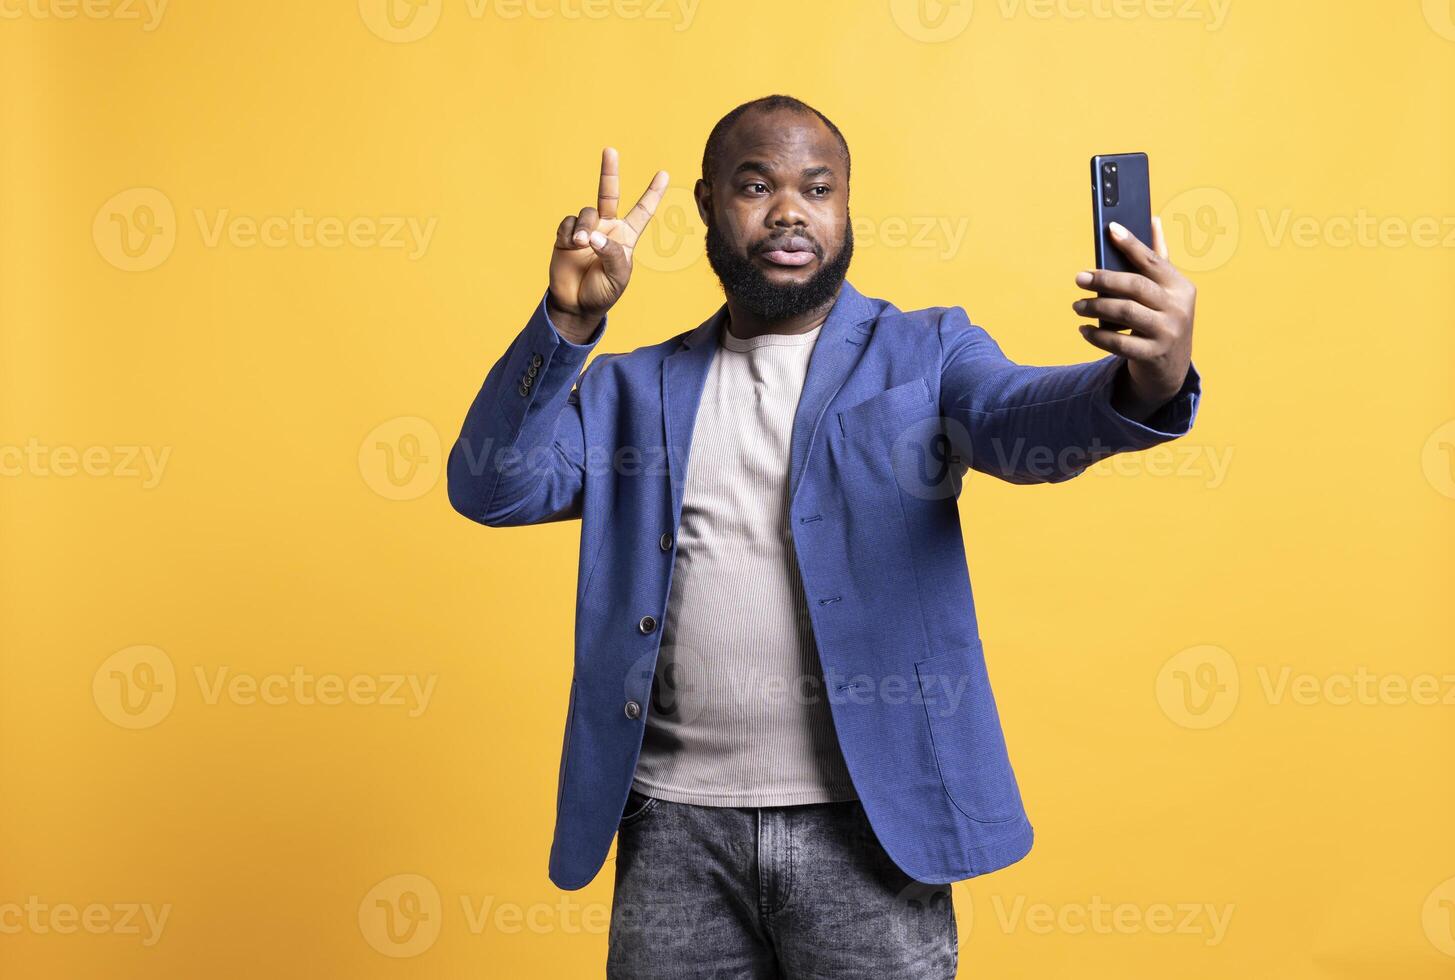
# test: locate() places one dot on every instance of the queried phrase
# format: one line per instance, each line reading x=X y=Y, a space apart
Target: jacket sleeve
x=519 y=458
x=1028 y=424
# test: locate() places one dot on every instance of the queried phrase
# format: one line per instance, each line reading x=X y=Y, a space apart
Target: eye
x=822 y=187
x=756 y=183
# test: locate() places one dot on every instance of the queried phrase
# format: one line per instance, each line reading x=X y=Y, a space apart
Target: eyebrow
x=767 y=168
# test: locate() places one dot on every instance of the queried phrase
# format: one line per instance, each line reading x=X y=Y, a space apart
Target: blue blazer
x=895 y=407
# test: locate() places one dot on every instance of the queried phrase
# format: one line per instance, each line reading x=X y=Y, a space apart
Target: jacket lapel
x=834 y=355
x=684 y=374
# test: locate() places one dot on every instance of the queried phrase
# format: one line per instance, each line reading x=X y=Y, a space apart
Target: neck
x=745 y=325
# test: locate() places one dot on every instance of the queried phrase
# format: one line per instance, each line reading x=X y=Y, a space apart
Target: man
x=780 y=707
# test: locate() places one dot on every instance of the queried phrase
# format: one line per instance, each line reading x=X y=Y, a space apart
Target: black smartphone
x=1121 y=191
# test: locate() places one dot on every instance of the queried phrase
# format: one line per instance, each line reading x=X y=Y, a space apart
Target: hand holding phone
x=1137 y=288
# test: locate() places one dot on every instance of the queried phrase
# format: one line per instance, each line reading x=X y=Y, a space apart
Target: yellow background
x=1140 y=623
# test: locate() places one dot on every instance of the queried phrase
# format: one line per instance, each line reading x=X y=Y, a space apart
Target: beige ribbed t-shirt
x=739 y=716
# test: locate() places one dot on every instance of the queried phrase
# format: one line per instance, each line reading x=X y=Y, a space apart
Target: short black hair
x=767 y=103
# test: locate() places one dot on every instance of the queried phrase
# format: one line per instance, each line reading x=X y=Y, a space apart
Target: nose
x=787 y=211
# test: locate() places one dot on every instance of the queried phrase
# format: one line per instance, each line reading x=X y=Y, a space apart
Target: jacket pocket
x=888 y=411
x=964 y=727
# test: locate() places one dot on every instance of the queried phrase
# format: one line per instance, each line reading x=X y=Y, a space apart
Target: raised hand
x=591 y=262
x=1157 y=304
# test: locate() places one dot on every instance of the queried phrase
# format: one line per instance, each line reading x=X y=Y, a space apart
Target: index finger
x=1149 y=262
x=646 y=206
x=608 y=192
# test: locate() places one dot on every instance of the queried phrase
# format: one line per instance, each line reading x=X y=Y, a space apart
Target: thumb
x=613 y=258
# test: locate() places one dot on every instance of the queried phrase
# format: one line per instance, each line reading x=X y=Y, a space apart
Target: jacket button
x=666 y=542
x=633 y=710
x=523 y=390
x=527 y=380
x=535 y=360
x=647 y=624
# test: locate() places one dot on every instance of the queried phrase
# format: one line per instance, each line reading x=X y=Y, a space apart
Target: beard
x=746 y=283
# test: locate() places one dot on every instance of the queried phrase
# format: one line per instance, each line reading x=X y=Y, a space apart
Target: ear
x=702 y=193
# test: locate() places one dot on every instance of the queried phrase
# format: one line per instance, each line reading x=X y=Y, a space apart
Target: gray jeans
x=790 y=893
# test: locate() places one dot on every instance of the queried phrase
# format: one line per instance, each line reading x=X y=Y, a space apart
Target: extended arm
x=1027 y=424
x=1048 y=424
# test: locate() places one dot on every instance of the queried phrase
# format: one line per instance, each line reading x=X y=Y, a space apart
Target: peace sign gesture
x=592 y=259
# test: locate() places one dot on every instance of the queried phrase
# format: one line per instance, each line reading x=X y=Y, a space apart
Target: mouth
x=791 y=252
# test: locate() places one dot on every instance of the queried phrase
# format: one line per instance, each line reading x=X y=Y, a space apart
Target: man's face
x=777 y=214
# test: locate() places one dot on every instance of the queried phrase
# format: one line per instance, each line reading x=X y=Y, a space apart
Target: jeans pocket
x=638 y=807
